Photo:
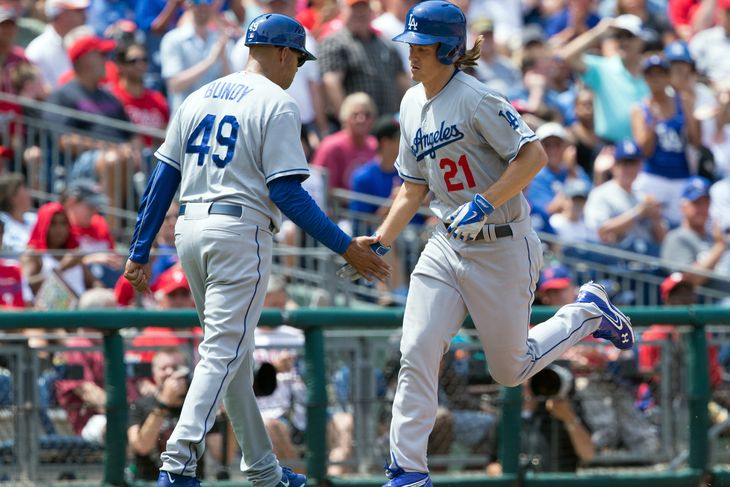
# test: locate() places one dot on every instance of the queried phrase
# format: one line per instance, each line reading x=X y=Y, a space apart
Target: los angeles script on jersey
x=426 y=144
x=227 y=91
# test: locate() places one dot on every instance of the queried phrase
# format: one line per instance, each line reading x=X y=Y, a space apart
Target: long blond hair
x=470 y=57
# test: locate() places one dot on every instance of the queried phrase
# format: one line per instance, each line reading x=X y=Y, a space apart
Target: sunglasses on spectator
x=135 y=60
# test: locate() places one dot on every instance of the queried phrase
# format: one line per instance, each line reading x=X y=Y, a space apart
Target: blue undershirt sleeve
x=294 y=201
x=158 y=195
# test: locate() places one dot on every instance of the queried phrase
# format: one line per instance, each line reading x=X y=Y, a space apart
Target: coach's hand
x=138 y=275
x=363 y=258
x=467 y=221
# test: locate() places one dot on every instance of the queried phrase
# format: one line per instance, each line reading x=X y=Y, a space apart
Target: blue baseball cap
x=695 y=188
x=627 y=150
x=654 y=62
x=678 y=52
x=554 y=277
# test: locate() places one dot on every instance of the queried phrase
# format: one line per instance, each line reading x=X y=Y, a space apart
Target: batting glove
x=467 y=221
x=349 y=273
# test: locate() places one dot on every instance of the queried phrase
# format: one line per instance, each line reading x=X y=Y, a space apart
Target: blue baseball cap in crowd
x=554 y=277
x=695 y=188
x=654 y=62
x=678 y=52
x=627 y=150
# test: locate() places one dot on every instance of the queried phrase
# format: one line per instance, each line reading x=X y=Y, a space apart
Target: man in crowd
x=47 y=50
x=193 y=54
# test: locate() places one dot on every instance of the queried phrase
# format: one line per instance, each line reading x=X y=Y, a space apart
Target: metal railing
x=691 y=323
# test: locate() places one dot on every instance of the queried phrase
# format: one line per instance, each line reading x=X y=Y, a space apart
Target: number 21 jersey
x=459 y=143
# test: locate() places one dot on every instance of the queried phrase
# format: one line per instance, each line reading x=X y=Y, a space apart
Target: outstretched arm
x=294 y=201
x=158 y=195
x=406 y=204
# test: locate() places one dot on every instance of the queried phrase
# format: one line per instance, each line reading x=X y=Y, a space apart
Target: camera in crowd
x=554 y=381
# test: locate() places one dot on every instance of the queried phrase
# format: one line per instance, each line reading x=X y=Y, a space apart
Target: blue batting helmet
x=436 y=21
x=278 y=30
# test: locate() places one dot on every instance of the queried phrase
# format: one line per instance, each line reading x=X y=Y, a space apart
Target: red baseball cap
x=123 y=291
x=723 y=4
x=554 y=277
x=672 y=281
x=89 y=44
x=171 y=280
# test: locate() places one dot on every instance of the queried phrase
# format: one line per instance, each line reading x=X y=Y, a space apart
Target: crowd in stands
x=630 y=99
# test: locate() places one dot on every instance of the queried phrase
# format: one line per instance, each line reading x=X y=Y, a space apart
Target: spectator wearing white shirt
x=569 y=224
x=47 y=51
x=194 y=54
x=711 y=48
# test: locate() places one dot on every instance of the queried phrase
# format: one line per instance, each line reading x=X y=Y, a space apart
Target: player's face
x=424 y=64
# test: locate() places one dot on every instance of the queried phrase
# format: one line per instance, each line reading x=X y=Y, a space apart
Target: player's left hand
x=467 y=221
x=138 y=275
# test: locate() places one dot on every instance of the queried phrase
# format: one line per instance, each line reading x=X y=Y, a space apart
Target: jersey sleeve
x=281 y=157
x=406 y=163
x=170 y=152
x=499 y=124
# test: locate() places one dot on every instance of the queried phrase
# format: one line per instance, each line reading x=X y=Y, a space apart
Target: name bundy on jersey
x=227 y=91
x=426 y=144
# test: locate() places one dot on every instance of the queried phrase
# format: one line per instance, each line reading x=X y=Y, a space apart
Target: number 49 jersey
x=233 y=136
x=459 y=143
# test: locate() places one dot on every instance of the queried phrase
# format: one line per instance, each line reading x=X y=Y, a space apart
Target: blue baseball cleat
x=291 y=479
x=615 y=326
x=400 y=478
x=167 y=479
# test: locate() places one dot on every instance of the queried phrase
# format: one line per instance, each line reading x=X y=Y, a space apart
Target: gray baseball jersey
x=224 y=156
x=459 y=143
x=229 y=139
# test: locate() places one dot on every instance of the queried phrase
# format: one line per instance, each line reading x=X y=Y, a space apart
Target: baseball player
x=466 y=144
x=233 y=148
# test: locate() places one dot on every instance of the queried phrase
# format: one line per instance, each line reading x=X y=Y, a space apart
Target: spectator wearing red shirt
x=82 y=200
x=346 y=150
x=675 y=290
x=144 y=107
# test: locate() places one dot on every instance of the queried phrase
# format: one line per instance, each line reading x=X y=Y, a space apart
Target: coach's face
x=290 y=60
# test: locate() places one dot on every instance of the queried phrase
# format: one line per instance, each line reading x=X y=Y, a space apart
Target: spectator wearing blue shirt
x=576 y=18
x=155 y=18
x=104 y=13
x=377 y=177
x=664 y=126
x=616 y=81
x=546 y=189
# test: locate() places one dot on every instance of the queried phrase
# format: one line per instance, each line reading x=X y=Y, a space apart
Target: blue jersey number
x=228 y=125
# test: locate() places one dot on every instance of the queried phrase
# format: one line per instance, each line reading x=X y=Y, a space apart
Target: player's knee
x=507 y=377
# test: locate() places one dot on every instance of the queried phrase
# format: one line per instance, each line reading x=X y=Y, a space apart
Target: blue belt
x=225 y=209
